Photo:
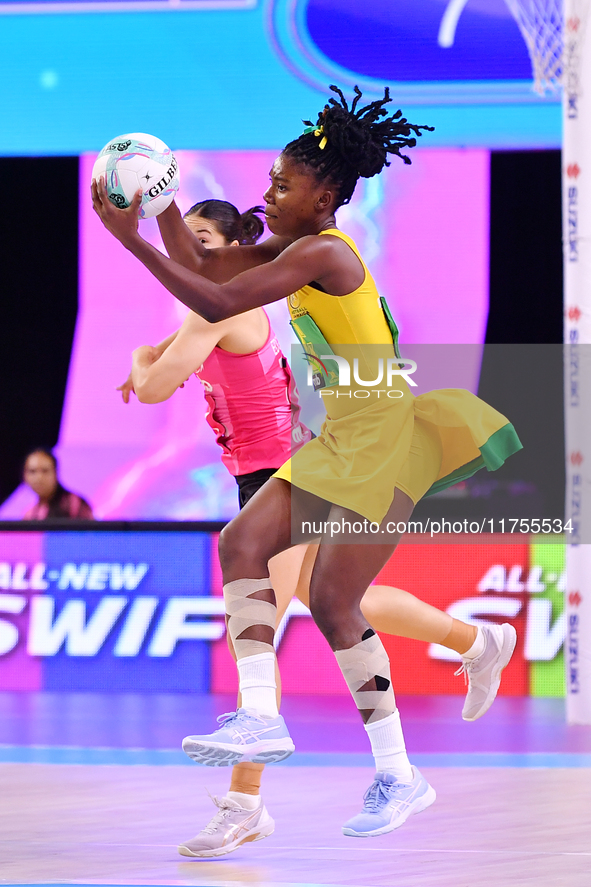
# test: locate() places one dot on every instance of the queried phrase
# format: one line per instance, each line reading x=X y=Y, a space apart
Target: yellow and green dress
x=375 y=439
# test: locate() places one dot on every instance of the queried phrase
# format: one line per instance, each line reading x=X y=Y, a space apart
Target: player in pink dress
x=254 y=412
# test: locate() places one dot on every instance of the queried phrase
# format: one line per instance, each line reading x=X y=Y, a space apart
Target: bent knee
x=226 y=544
x=243 y=552
x=326 y=615
x=234 y=545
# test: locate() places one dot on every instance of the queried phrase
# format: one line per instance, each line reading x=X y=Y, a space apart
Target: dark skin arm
x=325 y=260
x=219 y=265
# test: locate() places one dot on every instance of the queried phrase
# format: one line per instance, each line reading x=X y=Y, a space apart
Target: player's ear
x=324 y=200
x=235 y=243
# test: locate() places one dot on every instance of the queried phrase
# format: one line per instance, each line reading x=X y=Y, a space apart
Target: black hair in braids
x=355 y=143
x=244 y=227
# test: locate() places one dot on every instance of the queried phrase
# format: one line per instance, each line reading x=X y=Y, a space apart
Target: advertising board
x=143 y=611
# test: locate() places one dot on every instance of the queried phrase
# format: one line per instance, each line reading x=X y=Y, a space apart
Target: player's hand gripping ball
x=134 y=161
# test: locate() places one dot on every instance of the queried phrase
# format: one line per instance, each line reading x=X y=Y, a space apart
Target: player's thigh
x=342 y=572
x=263 y=528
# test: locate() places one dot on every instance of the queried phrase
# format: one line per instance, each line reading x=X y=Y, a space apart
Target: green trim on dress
x=500 y=445
x=391 y=325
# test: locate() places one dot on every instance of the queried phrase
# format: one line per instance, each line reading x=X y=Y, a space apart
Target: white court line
x=297 y=849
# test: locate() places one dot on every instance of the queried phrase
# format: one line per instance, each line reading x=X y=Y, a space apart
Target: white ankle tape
x=244 y=612
x=359 y=664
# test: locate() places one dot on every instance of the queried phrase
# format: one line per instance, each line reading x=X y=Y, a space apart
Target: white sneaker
x=231 y=826
x=483 y=674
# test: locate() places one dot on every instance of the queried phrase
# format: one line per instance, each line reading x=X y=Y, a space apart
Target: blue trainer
x=242 y=736
x=388 y=804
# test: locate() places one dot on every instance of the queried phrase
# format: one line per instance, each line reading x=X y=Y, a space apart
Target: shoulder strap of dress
x=336 y=232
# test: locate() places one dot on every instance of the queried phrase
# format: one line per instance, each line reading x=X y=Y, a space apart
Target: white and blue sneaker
x=242 y=736
x=388 y=804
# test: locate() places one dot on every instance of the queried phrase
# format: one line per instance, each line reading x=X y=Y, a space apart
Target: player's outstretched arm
x=127 y=387
x=156 y=377
x=179 y=241
x=219 y=265
x=333 y=265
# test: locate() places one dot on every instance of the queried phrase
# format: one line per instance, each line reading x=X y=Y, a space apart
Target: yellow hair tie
x=318 y=131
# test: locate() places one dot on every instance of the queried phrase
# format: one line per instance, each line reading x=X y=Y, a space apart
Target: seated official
x=40 y=473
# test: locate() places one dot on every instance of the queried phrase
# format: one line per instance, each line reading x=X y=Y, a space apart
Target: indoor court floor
x=94 y=791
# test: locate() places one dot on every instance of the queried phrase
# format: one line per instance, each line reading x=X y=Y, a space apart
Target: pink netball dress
x=253 y=407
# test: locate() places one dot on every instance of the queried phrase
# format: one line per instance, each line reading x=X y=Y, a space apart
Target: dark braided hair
x=357 y=142
x=244 y=227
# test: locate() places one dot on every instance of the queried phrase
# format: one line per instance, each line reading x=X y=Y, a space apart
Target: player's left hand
x=126 y=389
x=122 y=223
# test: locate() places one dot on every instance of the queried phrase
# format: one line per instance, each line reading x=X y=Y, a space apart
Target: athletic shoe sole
x=417 y=806
x=256 y=834
x=509 y=641
x=221 y=754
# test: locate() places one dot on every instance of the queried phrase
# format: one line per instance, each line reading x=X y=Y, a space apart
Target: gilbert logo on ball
x=137 y=160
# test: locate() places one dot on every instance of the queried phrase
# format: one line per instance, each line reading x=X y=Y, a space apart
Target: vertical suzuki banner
x=577 y=279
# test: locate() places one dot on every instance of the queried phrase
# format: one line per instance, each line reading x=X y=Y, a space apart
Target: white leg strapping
x=245 y=612
x=359 y=664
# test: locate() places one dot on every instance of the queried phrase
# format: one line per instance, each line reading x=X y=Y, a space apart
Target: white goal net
x=540 y=23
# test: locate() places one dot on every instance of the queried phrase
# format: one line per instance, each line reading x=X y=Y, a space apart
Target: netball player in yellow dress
x=375 y=457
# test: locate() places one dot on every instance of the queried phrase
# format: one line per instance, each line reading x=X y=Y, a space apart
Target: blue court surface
x=144 y=728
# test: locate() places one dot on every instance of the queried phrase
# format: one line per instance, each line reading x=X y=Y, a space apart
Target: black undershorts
x=248 y=484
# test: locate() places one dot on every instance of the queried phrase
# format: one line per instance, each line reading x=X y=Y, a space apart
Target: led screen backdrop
x=142 y=611
x=211 y=74
x=423 y=230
